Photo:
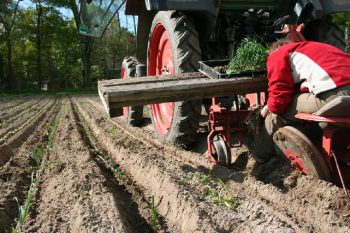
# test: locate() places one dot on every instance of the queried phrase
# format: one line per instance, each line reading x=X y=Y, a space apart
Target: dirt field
x=66 y=167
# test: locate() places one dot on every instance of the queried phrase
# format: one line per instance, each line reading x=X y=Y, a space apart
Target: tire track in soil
x=305 y=203
x=160 y=172
x=15 y=175
x=76 y=194
x=21 y=131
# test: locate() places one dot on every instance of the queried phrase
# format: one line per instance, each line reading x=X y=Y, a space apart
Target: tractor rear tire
x=301 y=152
x=325 y=31
x=174 y=48
x=133 y=115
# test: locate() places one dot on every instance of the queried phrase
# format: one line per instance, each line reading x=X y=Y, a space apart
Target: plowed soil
x=101 y=175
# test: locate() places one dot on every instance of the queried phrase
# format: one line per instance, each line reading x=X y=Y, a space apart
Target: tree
x=343 y=20
x=86 y=43
x=8 y=12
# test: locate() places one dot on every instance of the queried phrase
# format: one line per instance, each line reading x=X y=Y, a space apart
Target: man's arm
x=280 y=81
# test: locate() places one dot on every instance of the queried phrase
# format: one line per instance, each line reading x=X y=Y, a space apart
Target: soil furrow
x=75 y=193
x=15 y=115
x=161 y=174
x=15 y=176
x=298 y=205
x=14 y=102
x=136 y=211
x=102 y=175
x=22 y=132
x=22 y=121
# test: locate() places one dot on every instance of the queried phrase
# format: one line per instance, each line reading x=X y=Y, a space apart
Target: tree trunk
x=10 y=81
x=86 y=47
x=86 y=55
x=38 y=42
x=2 y=69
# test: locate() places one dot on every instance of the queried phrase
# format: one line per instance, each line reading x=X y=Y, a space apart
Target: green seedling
x=180 y=146
x=127 y=141
x=53 y=129
x=118 y=173
x=24 y=209
x=213 y=188
x=114 y=133
x=136 y=200
x=3 y=125
x=154 y=216
x=37 y=155
x=250 y=55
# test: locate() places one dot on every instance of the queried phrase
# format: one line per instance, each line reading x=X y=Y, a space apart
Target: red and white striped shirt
x=317 y=67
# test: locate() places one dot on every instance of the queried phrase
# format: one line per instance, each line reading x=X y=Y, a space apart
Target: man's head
x=274 y=46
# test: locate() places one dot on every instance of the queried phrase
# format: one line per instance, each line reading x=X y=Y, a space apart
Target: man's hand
x=264 y=111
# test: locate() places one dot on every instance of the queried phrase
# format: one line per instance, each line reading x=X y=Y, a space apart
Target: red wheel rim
x=295 y=160
x=125 y=109
x=161 y=61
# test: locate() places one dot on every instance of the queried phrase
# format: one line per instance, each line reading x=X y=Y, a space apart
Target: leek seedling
x=250 y=55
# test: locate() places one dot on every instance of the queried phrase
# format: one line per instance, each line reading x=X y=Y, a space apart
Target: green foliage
x=343 y=20
x=213 y=188
x=64 y=61
x=250 y=55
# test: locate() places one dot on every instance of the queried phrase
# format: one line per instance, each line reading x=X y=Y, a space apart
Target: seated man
x=302 y=77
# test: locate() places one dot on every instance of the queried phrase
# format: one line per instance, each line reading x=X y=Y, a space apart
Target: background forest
x=40 y=47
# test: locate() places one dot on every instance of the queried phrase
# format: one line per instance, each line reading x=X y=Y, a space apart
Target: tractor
x=173 y=36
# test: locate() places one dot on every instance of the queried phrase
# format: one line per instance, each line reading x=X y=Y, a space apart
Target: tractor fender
x=334 y=6
x=134 y=7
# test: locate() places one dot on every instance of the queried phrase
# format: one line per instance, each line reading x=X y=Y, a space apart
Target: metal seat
x=336 y=112
x=339 y=107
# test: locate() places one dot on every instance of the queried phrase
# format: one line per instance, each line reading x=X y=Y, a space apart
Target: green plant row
x=38 y=157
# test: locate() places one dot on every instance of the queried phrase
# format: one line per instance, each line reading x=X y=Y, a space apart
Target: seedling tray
x=208 y=68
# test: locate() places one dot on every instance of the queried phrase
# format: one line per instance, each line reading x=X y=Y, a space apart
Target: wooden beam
x=171 y=88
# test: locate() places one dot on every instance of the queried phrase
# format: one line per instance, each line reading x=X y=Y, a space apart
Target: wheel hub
x=125 y=109
x=161 y=63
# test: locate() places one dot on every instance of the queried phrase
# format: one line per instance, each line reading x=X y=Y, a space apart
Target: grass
x=250 y=55
x=38 y=157
x=30 y=92
x=212 y=188
x=154 y=215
